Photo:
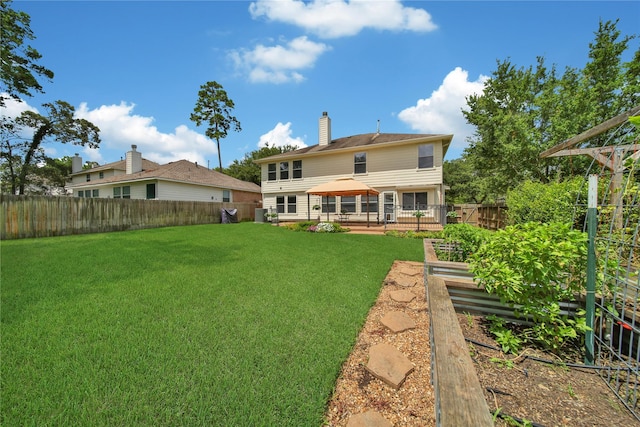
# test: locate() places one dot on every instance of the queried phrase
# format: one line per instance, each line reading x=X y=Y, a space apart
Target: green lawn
x=227 y=325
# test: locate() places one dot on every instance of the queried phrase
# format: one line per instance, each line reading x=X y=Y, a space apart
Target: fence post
x=592 y=226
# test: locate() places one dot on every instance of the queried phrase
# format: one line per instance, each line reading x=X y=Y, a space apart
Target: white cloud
x=13 y=108
x=120 y=128
x=279 y=63
x=442 y=112
x=341 y=18
x=280 y=136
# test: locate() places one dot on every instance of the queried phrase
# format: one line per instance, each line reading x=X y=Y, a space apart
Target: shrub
x=467 y=237
x=414 y=234
x=553 y=202
x=532 y=267
x=301 y=226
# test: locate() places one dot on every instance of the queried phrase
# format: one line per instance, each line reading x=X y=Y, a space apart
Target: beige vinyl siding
x=81 y=178
x=386 y=166
x=389 y=169
x=181 y=191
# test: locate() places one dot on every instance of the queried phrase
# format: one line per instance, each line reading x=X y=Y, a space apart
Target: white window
x=284 y=170
x=425 y=156
x=297 y=169
x=373 y=204
x=360 y=163
x=414 y=201
x=348 y=204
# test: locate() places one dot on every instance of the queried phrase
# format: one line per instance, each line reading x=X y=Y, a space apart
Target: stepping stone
x=398 y=321
x=368 y=419
x=407 y=281
x=402 y=296
x=388 y=364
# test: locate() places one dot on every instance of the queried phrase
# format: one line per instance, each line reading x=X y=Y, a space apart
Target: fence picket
x=45 y=216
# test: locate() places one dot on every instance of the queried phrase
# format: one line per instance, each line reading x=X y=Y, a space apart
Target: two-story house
x=138 y=178
x=405 y=168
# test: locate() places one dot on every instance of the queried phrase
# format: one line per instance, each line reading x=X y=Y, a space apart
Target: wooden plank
x=41 y=216
x=459 y=397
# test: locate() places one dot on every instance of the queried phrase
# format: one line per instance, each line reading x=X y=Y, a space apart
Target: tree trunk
x=219 y=155
x=38 y=137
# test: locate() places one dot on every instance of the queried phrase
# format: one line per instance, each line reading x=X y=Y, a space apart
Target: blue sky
x=134 y=68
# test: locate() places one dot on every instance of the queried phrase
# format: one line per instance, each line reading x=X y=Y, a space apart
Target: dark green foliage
x=213 y=108
x=526 y=110
x=414 y=234
x=19 y=70
x=59 y=123
x=467 y=239
x=552 y=202
x=247 y=169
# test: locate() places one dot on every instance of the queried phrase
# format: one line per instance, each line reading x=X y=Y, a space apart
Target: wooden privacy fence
x=44 y=216
x=491 y=217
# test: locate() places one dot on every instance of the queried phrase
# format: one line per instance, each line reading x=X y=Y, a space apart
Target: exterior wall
x=389 y=169
x=82 y=177
x=174 y=191
x=181 y=191
x=245 y=197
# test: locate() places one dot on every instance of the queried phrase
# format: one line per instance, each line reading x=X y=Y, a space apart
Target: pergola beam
x=594 y=131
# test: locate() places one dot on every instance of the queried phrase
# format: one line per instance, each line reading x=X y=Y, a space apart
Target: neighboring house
x=405 y=168
x=138 y=178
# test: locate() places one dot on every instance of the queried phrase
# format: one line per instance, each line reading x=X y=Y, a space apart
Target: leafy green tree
x=23 y=156
x=248 y=170
x=506 y=145
x=465 y=186
x=214 y=107
x=526 y=110
x=19 y=70
x=54 y=174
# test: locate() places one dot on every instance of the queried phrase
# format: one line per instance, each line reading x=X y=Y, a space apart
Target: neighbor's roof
x=362 y=140
x=181 y=171
x=119 y=165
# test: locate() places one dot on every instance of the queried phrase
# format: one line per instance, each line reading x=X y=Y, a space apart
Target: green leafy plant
x=509 y=342
x=418 y=214
x=505 y=363
x=469 y=319
x=532 y=267
x=467 y=239
x=552 y=202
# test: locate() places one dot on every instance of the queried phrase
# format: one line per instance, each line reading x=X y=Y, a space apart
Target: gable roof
x=362 y=140
x=180 y=171
x=119 y=165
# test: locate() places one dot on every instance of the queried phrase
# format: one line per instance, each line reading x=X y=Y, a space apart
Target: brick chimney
x=133 y=161
x=324 y=129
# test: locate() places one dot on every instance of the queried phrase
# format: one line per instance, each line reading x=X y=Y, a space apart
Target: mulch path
x=542 y=393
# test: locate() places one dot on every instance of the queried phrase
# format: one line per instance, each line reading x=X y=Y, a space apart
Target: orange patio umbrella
x=343 y=187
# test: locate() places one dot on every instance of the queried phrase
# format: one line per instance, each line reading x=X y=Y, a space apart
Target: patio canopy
x=343 y=187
